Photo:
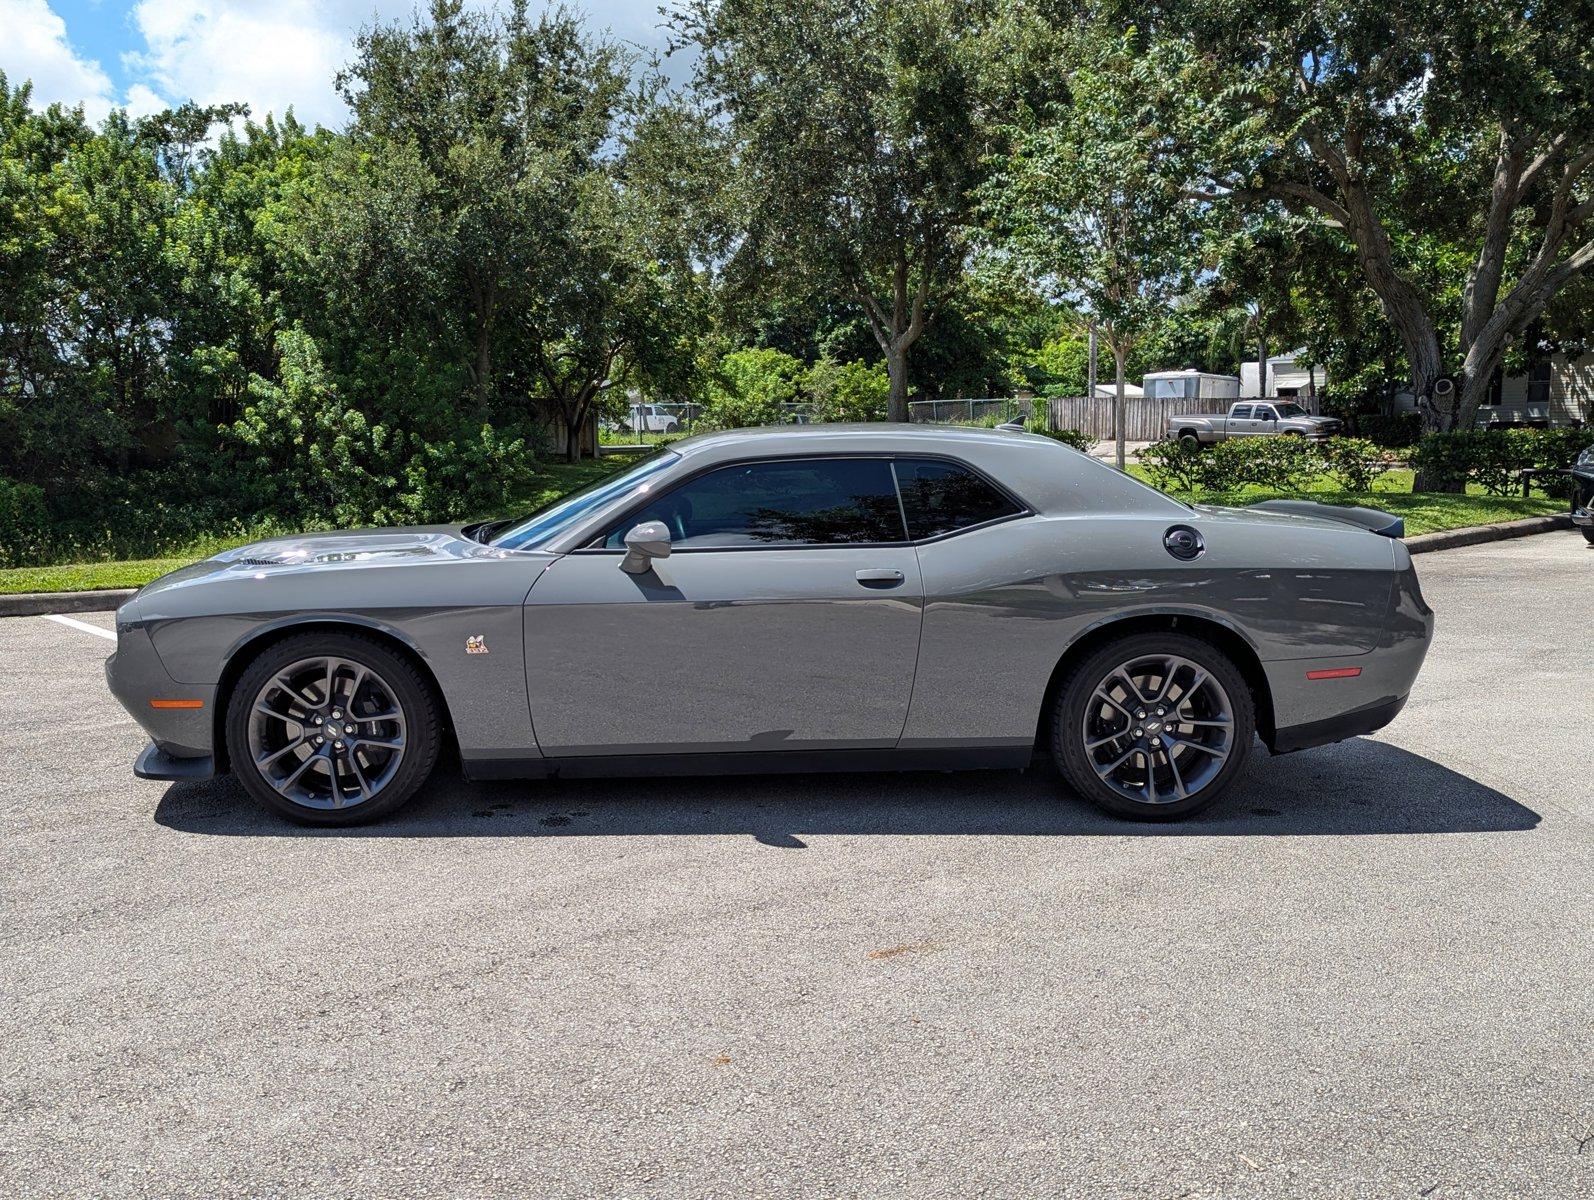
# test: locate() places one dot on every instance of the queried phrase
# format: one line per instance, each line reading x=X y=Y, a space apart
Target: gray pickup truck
x=1252 y=418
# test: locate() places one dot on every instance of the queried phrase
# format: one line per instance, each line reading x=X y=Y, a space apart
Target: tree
x=1082 y=201
x=469 y=134
x=621 y=302
x=1444 y=139
x=858 y=131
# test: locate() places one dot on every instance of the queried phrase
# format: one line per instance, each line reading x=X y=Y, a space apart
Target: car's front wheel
x=1153 y=726
x=332 y=729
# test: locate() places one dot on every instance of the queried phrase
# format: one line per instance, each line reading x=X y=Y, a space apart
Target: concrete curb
x=1475 y=535
x=36 y=604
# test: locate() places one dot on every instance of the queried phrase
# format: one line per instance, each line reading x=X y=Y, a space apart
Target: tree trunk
x=484 y=369
x=1090 y=364
x=1118 y=406
x=897 y=369
x=1261 y=365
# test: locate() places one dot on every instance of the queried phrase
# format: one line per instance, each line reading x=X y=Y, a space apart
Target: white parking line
x=83 y=625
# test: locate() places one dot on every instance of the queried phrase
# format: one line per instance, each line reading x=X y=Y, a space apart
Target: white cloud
x=267 y=55
x=35 y=47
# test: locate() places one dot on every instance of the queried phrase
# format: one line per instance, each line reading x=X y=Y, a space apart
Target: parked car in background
x=650 y=418
x=1583 y=493
x=1252 y=418
x=826 y=597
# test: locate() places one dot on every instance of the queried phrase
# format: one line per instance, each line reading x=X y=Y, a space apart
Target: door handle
x=879 y=577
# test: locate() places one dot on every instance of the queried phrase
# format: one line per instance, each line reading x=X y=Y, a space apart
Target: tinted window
x=1240 y=412
x=940 y=497
x=794 y=503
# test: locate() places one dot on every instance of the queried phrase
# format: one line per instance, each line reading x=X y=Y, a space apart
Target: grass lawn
x=1425 y=512
x=552 y=480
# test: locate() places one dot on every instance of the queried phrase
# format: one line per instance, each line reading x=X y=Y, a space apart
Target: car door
x=1265 y=419
x=1240 y=423
x=786 y=617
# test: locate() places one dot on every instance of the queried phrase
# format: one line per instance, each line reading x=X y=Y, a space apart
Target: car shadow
x=1356 y=787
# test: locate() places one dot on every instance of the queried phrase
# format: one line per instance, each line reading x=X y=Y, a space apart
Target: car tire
x=1192 y=762
x=1190 y=441
x=278 y=700
x=1588 y=534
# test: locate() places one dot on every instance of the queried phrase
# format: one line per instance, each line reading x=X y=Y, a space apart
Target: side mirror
x=646 y=542
x=1269 y=415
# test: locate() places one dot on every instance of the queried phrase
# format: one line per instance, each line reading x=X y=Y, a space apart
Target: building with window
x=1555 y=390
x=1286 y=376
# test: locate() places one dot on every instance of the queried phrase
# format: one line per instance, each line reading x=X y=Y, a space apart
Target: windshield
x=559 y=515
x=1289 y=410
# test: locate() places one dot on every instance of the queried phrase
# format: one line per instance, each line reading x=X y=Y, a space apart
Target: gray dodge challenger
x=808 y=598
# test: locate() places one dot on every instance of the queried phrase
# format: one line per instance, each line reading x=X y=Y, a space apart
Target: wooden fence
x=1145 y=418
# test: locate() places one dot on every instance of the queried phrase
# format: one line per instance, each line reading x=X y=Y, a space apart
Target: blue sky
x=146 y=54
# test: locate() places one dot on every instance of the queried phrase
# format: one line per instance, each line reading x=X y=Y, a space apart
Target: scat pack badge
x=476 y=644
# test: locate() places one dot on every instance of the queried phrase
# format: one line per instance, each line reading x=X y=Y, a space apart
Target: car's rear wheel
x=332 y=729
x=1189 y=440
x=1588 y=534
x=1154 y=726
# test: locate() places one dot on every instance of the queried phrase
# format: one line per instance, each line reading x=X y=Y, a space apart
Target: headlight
x=1586 y=459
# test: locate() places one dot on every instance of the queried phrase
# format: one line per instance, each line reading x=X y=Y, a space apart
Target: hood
x=350 y=550
x=357 y=545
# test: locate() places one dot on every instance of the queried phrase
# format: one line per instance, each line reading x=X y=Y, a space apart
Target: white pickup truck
x=1252 y=418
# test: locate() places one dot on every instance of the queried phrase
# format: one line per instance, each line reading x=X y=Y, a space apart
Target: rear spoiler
x=1370 y=519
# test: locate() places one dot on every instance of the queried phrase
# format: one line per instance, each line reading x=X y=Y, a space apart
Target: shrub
x=1354 y=462
x=304 y=451
x=1491 y=458
x=1173 y=465
x=752 y=387
x=858 y=391
x=1285 y=464
x=1555 y=450
x=24 y=523
x=1082 y=442
x=1394 y=431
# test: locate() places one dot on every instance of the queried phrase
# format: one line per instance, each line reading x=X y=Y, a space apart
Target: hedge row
x=1495 y=458
x=1285 y=464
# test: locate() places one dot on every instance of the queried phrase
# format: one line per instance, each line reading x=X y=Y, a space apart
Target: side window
x=1240 y=413
x=800 y=502
x=942 y=497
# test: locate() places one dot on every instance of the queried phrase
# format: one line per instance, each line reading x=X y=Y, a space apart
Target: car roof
x=1043 y=472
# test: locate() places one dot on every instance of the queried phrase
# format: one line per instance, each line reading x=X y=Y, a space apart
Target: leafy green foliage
x=1354 y=462
x=1392 y=431
x=1174 y=465
x=752 y=387
x=858 y=391
x=1287 y=465
x=23 y=522
x=1082 y=442
x=1495 y=458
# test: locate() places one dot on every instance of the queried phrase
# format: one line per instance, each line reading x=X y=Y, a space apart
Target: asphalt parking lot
x=1369 y=972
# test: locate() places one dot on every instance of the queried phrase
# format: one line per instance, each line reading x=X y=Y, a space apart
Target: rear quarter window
x=940 y=497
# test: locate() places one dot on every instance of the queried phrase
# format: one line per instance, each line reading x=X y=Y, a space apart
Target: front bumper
x=179 y=717
x=155 y=763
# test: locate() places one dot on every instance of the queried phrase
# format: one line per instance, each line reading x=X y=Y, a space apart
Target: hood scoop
x=334 y=548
